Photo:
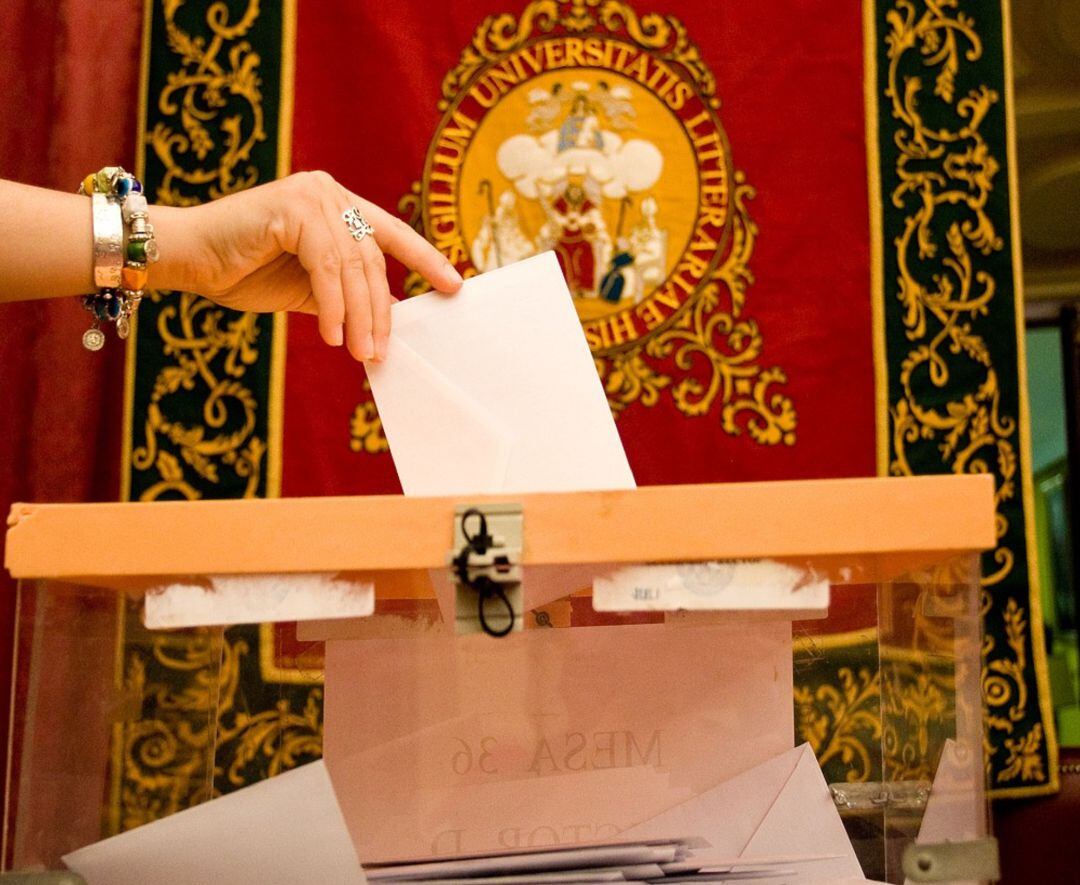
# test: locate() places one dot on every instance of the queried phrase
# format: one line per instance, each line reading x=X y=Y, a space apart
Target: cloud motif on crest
x=536 y=165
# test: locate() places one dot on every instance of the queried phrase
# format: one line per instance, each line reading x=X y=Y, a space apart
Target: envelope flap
x=249 y=837
x=512 y=341
x=804 y=821
x=734 y=810
x=415 y=398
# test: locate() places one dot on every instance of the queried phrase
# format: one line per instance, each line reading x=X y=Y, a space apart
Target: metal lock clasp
x=486 y=564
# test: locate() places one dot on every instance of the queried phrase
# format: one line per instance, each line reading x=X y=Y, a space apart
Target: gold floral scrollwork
x=167 y=760
x=840 y=719
x=366 y=429
x=1006 y=692
x=917 y=708
x=1024 y=756
x=210 y=115
x=214 y=97
x=194 y=740
x=628 y=378
x=216 y=84
x=213 y=352
x=873 y=711
x=950 y=392
x=194 y=727
x=252 y=746
x=712 y=333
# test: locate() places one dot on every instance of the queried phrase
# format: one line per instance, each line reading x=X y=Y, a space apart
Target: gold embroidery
x=1024 y=757
x=840 y=720
x=917 y=709
x=217 y=81
x=665 y=35
x=1006 y=692
x=876 y=721
x=166 y=767
x=688 y=338
x=215 y=84
x=196 y=733
x=211 y=349
x=946 y=177
x=189 y=737
x=730 y=347
x=365 y=427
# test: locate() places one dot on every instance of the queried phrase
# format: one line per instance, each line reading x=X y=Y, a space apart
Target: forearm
x=283 y=245
x=46 y=244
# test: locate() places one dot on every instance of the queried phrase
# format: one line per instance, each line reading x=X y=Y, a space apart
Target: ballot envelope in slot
x=767 y=681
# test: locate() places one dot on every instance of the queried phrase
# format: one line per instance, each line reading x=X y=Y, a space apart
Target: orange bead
x=88 y=184
x=134 y=277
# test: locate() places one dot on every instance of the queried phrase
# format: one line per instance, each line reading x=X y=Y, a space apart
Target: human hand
x=284 y=246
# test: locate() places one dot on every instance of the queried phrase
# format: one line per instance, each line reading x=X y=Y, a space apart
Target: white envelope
x=955 y=810
x=287 y=830
x=494 y=389
x=780 y=808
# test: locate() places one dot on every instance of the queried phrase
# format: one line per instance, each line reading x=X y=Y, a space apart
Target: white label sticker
x=254 y=599
x=760 y=585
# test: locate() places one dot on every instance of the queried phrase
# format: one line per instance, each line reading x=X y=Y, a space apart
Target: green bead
x=136 y=250
x=103 y=180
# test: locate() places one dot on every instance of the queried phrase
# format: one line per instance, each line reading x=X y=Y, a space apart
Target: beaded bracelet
x=120 y=259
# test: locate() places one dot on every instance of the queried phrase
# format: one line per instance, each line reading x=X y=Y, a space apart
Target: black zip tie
x=482 y=586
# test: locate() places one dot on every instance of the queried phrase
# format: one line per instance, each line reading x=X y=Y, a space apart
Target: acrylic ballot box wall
x=777 y=678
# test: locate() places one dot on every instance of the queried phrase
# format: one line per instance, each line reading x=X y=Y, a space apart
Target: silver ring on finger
x=359 y=227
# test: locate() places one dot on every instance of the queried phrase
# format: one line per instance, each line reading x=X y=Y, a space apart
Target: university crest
x=584 y=128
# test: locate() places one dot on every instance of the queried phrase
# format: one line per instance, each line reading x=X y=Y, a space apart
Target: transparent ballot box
x=767 y=681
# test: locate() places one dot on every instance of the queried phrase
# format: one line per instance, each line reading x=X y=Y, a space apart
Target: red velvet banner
x=65 y=114
x=759 y=367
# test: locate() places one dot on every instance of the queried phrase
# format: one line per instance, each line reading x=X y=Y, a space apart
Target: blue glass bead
x=136 y=186
x=101 y=309
x=112 y=308
x=123 y=186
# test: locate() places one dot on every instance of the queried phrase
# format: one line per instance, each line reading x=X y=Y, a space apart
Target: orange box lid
x=807 y=518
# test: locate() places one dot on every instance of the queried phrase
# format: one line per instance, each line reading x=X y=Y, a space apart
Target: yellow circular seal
x=588 y=129
x=599 y=147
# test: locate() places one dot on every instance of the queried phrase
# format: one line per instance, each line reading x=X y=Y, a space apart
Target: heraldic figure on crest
x=589 y=181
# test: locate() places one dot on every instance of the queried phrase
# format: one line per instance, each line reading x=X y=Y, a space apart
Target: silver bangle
x=108 y=241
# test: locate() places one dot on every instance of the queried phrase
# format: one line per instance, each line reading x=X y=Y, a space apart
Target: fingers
x=396 y=238
x=358 y=306
x=348 y=277
x=379 y=290
x=334 y=263
x=359 y=321
x=321 y=258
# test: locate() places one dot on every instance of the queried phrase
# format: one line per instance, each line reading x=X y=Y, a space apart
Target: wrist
x=177 y=230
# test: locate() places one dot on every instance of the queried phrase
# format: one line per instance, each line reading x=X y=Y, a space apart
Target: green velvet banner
x=949 y=346
x=199 y=410
x=204 y=414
